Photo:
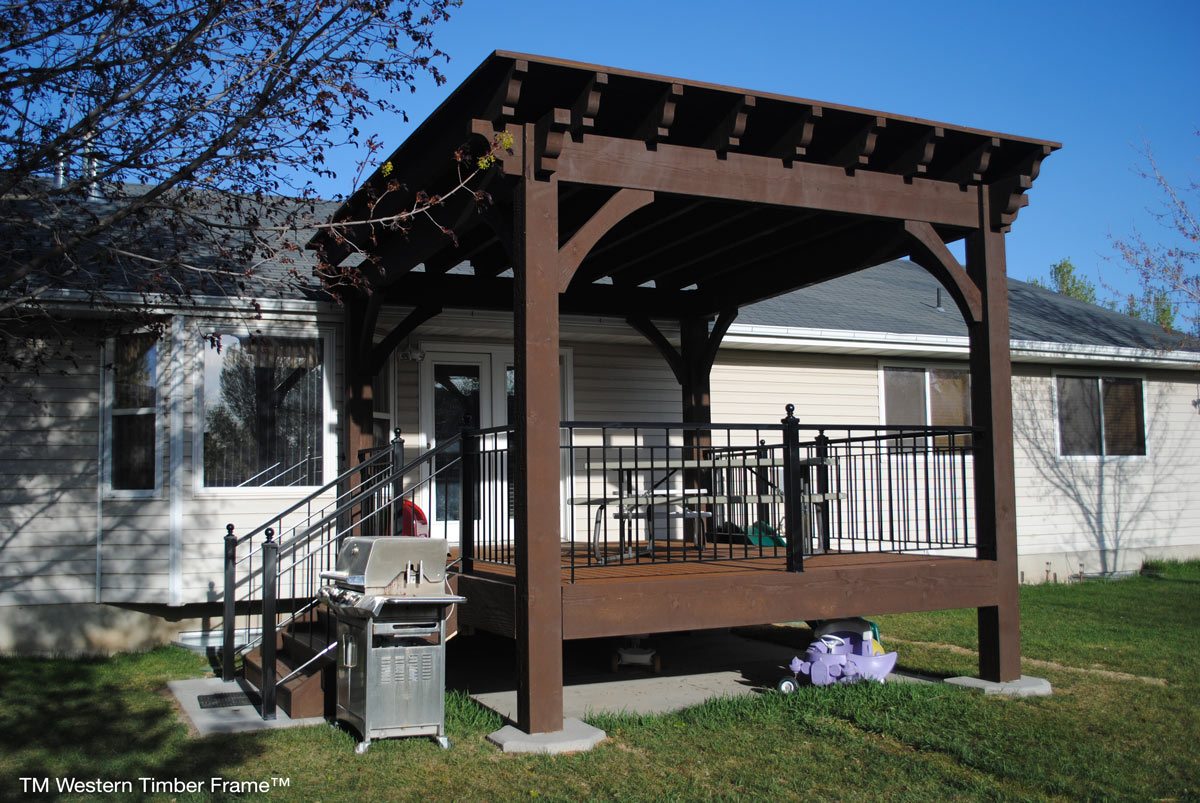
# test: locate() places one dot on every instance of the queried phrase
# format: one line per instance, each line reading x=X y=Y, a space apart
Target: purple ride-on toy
x=845 y=656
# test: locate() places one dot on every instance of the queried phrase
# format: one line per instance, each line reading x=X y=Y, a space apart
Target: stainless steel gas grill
x=390 y=602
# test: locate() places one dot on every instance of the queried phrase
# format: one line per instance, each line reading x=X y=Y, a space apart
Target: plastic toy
x=845 y=656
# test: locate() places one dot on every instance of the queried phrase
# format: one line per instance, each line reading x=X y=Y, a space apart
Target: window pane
x=133 y=372
x=133 y=452
x=1079 y=415
x=263 y=412
x=1124 y=424
x=904 y=396
x=456 y=404
x=950 y=397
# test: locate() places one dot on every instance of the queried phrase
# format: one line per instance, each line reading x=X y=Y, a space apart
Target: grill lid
x=391 y=566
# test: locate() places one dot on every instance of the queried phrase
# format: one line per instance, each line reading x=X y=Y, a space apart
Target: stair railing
x=289 y=569
x=309 y=525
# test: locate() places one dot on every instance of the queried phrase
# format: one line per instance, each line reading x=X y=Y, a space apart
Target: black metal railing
x=487 y=498
x=272 y=573
x=655 y=492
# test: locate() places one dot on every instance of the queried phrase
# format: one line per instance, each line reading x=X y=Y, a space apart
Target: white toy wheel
x=786 y=685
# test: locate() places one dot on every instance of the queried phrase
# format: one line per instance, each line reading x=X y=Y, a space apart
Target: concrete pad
x=575 y=736
x=1027 y=686
x=234 y=719
x=640 y=695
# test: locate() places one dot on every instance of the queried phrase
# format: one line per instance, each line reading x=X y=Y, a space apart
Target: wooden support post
x=697 y=410
x=536 y=449
x=991 y=409
x=360 y=390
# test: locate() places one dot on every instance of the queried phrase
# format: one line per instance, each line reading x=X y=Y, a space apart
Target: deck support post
x=360 y=391
x=991 y=410
x=536 y=447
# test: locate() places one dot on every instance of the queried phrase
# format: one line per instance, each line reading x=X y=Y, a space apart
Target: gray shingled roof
x=901 y=297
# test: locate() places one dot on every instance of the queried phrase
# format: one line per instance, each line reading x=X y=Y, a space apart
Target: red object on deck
x=413 y=521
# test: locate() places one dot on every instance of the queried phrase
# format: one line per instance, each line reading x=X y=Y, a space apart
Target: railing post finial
x=270 y=534
x=790 y=409
x=396 y=436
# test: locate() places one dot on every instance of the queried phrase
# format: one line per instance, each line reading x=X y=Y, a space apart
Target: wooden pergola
x=652 y=198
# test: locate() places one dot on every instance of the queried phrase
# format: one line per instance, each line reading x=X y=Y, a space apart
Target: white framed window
x=133 y=421
x=926 y=395
x=264 y=411
x=918 y=395
x=1100 y=415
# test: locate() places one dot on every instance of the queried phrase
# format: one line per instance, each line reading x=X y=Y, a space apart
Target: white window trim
x=927 y=367
x=109 y=355
x=329 y=463
x=1100 y=375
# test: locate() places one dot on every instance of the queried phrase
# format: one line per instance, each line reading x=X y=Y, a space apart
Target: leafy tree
x=1154 y=305
x=1167 y=267
x=168 y=147
x=1065 y=281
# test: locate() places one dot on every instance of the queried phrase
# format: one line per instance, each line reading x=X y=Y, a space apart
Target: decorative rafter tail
x=657 y=125
x=503 y=106
x=795 y=142
x=971 y=168
x=857 y=151
x=727 y=135
x=587 y=105
x=915 y=159
x=551 y=134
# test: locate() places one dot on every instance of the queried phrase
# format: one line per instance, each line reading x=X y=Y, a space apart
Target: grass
x=1100 y=736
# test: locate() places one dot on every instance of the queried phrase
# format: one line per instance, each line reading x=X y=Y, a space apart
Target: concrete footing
x=1026 y=686
x=575 y=737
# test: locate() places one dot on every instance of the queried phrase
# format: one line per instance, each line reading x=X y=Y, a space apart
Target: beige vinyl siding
x=49 y=442
x=624 y=383
x=1107 y=513
x=756 y=386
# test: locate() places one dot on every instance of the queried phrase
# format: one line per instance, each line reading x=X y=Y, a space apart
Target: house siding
x=1104 y=514
x=49 y=439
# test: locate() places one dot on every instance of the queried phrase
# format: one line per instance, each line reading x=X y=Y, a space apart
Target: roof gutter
x=847 y=341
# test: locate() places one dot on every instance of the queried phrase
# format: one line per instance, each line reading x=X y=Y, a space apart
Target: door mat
x=223 y=700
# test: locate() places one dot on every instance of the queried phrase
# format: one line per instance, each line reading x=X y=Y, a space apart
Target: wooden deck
x=662 y=596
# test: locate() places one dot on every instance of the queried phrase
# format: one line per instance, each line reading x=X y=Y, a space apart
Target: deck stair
x=301 y=652
x=274 y=572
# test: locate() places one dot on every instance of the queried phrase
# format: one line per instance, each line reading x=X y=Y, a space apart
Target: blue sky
x=1103 y=78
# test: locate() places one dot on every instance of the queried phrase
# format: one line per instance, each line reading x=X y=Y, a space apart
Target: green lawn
x=1101 y=735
